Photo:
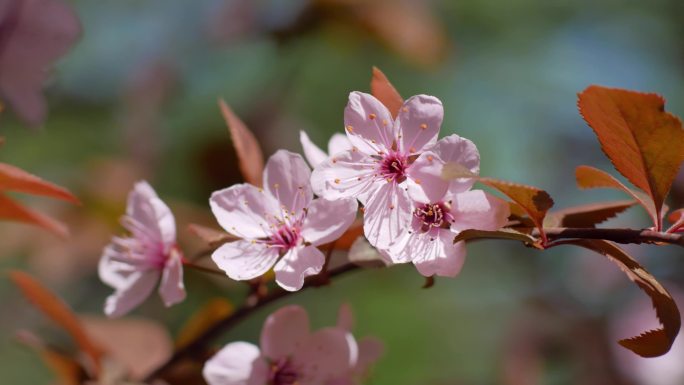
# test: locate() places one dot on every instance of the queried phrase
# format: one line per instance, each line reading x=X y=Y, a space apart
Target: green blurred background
x=137 y=98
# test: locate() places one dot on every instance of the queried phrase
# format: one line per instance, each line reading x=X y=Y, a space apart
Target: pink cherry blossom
x=389 y=157
x=33 y=34
x=370 y=349
x=315 y=156
x=280 y=223
x=290 y=354
x=436 y=220
x=133 y=265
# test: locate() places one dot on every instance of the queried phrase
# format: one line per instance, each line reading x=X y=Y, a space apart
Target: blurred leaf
x=212 y=237
x=385 y=92
x=212 y=312
x=347 y=239
x=55 y=309
x=587 y=215
x=34 y=35
x=590 y=177
x=644 y=143
x=15 y=179
x=67 y=370
x=467 y=235
x=534 y=201
x=13 y=211
x=246 y=146
x=133 y=346
x=361 y=253
x=677 y=219
x=652 y=343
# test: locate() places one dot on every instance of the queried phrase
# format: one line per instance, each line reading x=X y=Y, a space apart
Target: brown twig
x=615 y=235
x=238 y=316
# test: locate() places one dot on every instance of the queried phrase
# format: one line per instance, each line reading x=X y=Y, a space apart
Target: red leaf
x=13 y=211
x=644 y=142
x=677 y=219
x=590 y=177
x=54 y=308
x=15 y=179
x=534 y=201
x=385 y=92
x=652 y=343
x=587 y=215
x=246 y=146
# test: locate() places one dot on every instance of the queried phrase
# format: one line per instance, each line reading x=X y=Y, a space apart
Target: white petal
x=418 y=123
x=338 y=143
x=478 y=210
x=242 y=260
x=137 y=287
x=287 y=178
x=347 y=174
x=238 y=363
x=327 y=220
x=314 y=155
x=369 y=125
x=284 y=331
x=172 y=288
x=387 y=213
x=244 y=210
x=297 y=264
x=461 y=151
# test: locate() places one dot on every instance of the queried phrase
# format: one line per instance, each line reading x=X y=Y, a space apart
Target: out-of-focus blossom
x=388 y=158
x=291 y=354
x=315 y=156
x=33 y=34
x=280 y=220
x=133 y=265
x=370 y=349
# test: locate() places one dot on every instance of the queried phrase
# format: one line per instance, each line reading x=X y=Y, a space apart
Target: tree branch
x=195 y=347
x=614 y=235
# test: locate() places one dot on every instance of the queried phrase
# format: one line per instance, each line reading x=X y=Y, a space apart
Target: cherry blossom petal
x=478 y=210
x=327 y=220
x=345 y=318
x=439 y=255
x=113 y=272
x=326 y=355
x=370 y=350
x=244 y=259
x=368 y=123
x=238 y=363
x=418 y=123
x=172 y=288
x=284 y=332
x=287 y=178
x=314 y=155
x=244 y=210
x=152 y=214
x=297 y=264
x=34 y=34
x=348 y=174
x=455 y=149
x=425 y=183
x=135 y=289
x=387 y=212
x=338 y=143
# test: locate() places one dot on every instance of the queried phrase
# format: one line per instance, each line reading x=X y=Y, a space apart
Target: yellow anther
x=423 y=126
x=371 y=116
x=337 y=180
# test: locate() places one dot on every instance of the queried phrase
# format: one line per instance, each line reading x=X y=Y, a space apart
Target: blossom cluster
x=392 y=166
x=292 y=354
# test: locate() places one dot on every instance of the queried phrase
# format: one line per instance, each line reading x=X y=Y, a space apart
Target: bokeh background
x=137 y=98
